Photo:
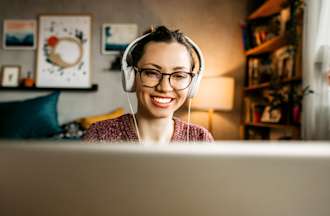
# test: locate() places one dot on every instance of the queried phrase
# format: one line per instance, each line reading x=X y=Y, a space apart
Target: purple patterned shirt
x=121 y=129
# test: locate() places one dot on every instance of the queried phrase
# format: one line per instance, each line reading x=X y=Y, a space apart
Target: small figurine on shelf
x=28 y=81
x=277 y=103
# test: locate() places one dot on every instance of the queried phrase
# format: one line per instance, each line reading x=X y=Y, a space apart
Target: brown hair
x=159 y=34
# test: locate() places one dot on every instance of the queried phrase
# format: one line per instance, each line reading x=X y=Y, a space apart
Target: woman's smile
x=162 y=102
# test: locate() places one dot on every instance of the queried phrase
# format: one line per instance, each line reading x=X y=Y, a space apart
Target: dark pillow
x=33 y=118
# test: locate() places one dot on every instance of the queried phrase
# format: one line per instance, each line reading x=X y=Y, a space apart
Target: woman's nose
x=164 y=84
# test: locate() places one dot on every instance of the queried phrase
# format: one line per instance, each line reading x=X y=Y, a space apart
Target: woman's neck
x=159 y=130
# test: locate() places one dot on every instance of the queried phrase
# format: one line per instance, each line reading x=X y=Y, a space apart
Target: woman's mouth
x=162 y=102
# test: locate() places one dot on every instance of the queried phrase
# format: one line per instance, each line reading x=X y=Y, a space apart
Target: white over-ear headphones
x=128 y=73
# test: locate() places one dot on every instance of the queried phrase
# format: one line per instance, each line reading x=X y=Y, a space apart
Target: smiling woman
x=159 y=67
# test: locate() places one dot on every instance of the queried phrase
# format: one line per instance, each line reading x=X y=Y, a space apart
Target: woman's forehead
x=166 y=54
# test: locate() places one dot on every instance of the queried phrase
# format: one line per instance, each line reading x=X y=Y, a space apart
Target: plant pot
x=296 y=114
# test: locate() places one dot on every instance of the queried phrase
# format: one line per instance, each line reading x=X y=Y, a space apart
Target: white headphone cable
x=135 y=122
x=189 y=106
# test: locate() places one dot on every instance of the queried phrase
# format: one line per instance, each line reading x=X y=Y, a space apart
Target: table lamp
x=215 y=93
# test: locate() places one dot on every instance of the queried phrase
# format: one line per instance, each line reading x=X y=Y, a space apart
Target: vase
x=296 y=111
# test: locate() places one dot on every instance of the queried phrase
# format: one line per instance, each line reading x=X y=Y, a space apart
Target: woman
x=163 y=65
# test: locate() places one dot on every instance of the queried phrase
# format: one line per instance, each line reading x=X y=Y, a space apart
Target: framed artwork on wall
x=116 y=37
x=19 y=34
x=10 y=75
x=64 y=46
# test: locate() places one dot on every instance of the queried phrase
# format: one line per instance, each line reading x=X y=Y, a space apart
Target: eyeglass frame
x=139 y=70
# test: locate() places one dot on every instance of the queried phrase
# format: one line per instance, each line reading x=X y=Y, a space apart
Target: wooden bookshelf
x=272 y=125
x=269 y=8
x=266 y=58
x=267 y=85
x=268 y=46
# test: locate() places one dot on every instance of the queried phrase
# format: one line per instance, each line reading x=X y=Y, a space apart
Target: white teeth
x=162 y=100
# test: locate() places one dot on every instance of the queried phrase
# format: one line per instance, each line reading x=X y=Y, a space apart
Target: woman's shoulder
x=196 y=132
x=110 y=129
x=114 y=123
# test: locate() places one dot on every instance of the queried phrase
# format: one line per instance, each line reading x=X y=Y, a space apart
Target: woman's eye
x=180 y=75
x=151 y=73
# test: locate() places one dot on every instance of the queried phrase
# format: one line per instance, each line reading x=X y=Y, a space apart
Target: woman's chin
x=161 y=113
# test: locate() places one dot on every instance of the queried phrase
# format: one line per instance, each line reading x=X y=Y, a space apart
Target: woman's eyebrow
x=159 y=67
x=154 y=65
x=179 y=68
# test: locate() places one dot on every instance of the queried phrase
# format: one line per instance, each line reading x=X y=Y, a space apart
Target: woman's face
x=162 y=100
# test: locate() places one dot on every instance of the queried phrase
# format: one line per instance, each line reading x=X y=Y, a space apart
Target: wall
x=213 y=24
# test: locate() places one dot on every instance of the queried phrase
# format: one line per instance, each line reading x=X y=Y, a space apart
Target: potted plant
x=297 y=98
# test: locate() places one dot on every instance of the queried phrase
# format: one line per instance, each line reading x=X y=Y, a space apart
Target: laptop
x=39 y=178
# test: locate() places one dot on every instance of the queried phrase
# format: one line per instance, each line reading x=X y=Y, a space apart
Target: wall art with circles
x=63 y=58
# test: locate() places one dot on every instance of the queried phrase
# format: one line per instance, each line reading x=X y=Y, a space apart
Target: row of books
x=253 y=111
x=257 y=32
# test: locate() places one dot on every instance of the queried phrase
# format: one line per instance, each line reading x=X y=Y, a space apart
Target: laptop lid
x=232 y=179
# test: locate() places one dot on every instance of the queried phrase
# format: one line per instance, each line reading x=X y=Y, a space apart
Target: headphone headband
x=128 y=74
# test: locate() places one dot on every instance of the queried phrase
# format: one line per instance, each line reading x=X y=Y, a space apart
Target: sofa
x=37 y=118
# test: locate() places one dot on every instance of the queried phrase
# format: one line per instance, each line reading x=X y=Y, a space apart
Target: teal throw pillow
x=32 y=118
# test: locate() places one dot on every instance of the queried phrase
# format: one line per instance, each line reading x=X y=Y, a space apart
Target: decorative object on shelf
x=64 y=46
x=10 y=75
x=278 y=99
x=271 y=116
x=19 y=34
x=215 y=93
x=116 y=64
x=283 y=60
x=116 y=37
x=28 y=81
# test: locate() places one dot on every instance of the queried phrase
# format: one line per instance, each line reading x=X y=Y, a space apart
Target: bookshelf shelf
x=268 y=46
x=269 y=8
x=94 y=87
x=267 y=85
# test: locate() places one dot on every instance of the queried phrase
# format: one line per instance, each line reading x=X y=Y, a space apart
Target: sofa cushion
x=32 y=118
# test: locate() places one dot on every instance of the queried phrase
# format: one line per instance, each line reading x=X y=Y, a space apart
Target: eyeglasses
x=152 y=77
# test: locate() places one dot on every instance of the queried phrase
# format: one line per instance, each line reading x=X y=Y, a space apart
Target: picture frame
x=271 y=116
x=116 y=37
x=10 y=75
x=63 y=53
x=19 y=34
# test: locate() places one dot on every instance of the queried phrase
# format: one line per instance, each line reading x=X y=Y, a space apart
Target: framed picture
x=19 y=34
x=273 y=116
x=116 y=37
x=10 y=75
x=63 y=58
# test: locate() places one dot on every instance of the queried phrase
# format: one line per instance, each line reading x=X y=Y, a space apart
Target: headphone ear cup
x=194 y=86
x=128 y=79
